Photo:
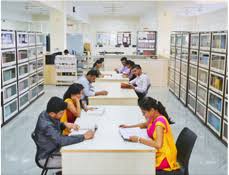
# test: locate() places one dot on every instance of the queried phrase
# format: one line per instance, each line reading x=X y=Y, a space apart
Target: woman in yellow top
x=72 y=98
x=159 y=130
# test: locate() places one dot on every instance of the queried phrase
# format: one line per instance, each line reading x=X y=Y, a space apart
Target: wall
x=112 y=24
x=212 y=21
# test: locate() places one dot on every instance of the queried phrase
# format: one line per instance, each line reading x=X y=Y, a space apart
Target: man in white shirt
x=141 y=83
x=89 y=90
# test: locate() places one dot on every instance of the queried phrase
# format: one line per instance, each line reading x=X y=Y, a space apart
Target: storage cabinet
x=178 y=63
x=22 y=39
x=191 y=102
x=22 y=55
x=7 y=39
x=202 y=94
x=194 y=40
x=216 y=83
x=192 y=87
x=10 y=109
x=32 y=53
x=184 y=54
x=204 y=58
x=218 y=62
x=8 y=57
x=32 y=39
x=201 y=110
x=205 y=41
x=23 y=85
x=23 y=70
x=214 y=121
x=184 y=68
x=193 y=72
x=33 y=93
x=183 y=82
x=202 y=82
x=225 y=132
x=9 y=92
x=215 y=102
x=194 y=57
x=203 y=77
x=23 y=100
x=219 y=41
x=22 y=73
x=32 y=66
x=9 y=75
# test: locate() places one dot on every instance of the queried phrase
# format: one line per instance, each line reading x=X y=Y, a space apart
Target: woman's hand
x=123 y=126
x=133 y=138
x=72 y=126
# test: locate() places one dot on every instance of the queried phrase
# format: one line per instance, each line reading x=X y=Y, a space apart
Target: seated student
x=130 y=65
x=66 y=52
x=124 y=69
x=48 y=132
x=96 y=66
x=73 y=99
x=88 y=90
x=160 y=133
x=141 y=83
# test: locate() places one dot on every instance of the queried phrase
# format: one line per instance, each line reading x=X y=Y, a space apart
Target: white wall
x=149 y=21
x=215 y=21
x=112 y=24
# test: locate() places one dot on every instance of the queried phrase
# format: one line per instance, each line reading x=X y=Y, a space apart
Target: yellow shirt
x=68 y=116
x=168 y=149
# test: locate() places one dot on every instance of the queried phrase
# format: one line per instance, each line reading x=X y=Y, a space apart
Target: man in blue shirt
x=48 y=132
x=89 y=90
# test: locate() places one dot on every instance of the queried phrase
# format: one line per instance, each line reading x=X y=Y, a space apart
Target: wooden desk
x=112 y=76
x=108 y=153
x=116 y=95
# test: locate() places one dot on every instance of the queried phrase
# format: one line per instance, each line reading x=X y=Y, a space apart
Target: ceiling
x=25 y=6
x=119 y=8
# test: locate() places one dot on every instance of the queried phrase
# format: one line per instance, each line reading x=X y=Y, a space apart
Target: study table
x=107 y=153
x=112 y=76
x=116 y=95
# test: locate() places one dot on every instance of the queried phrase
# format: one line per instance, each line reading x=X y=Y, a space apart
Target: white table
x=112 y=76
x=116 y=95
x=108 y=153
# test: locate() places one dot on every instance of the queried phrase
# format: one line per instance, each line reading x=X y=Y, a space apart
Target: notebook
x=127 y=132
x=83 y=130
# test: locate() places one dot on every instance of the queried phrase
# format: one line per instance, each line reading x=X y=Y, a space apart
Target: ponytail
x=97 y=62
x=148 y=103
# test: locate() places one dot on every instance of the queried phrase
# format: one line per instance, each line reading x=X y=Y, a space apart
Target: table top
x=114 y=91
x=107 y=137
x=112 y=76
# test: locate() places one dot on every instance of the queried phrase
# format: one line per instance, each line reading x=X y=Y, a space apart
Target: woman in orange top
x=158 y=129
x=72 y=98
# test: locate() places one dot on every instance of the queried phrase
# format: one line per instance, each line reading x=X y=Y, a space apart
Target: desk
x=112 y=76
x=116 y=95
x=108 y=153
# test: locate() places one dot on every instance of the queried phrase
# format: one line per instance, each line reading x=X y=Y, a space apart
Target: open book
x=83 y=130
x=127 y=132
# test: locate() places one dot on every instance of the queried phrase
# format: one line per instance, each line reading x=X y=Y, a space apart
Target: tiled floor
x=209 y=156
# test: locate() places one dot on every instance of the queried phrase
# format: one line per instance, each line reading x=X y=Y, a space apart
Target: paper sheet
x=127 y=132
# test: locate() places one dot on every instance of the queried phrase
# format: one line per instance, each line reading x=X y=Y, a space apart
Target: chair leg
x=43 y=171
x=46 y=171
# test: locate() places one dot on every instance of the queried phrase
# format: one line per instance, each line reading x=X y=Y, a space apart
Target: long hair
x=97 y=62
x=75 y=88
x=147 y=103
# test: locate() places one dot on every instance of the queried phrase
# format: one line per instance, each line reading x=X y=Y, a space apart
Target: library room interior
x=114 y=87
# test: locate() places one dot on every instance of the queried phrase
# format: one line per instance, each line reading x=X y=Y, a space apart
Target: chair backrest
x=185 y=143
x=33 y=135
x=146 y=92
